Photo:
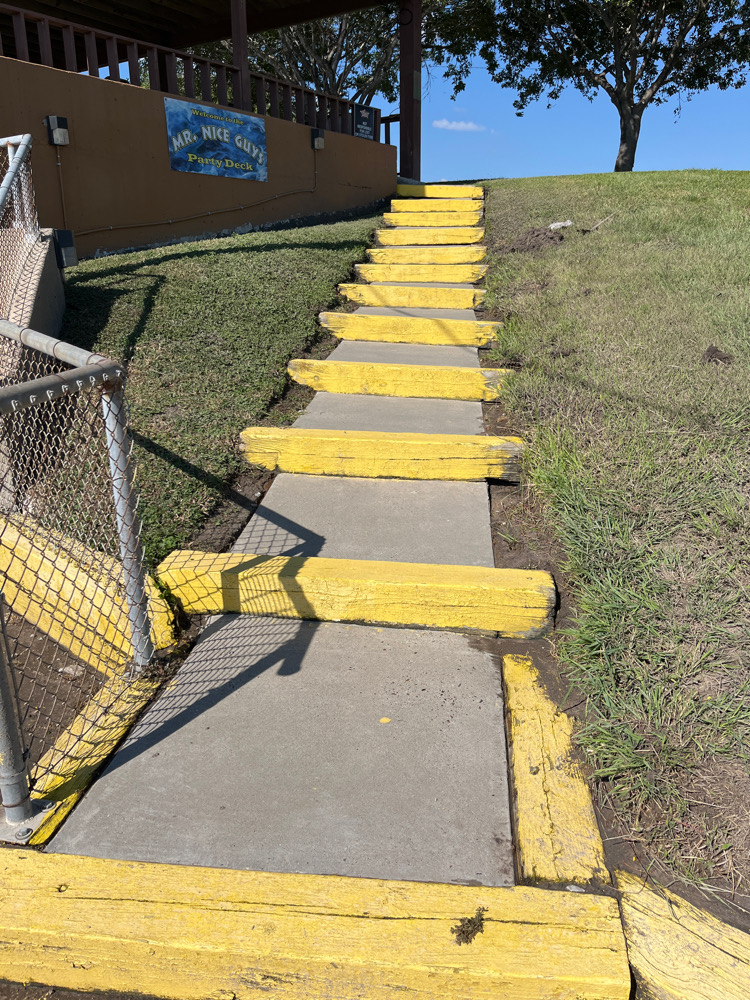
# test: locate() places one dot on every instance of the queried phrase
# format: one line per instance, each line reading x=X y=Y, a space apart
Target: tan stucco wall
x=116 y=171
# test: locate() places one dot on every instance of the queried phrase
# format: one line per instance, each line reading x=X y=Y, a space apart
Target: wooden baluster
x=19 y=33
x=238 y=97
x=376 y=112
x=205 y=68
x=286 y=102
x=273 y=93
x=299 y=105
x=387 y=124
x=322 y=111
x=154 y=82
x=311 y=112
x=261 y=95
x=188 y=71
x=170 y=60
x=113 y=60
x=1 y=46
x=92 y=54
x=134 y=70
x=69 y=47
x=45 y=43
x=221 y=84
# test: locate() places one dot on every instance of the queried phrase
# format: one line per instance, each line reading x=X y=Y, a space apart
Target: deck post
x=411 y=88
x=240 y=52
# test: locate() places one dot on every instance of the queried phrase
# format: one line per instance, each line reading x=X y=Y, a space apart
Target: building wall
x=116 y=172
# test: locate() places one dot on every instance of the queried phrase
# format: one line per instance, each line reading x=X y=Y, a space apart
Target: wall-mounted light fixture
x=57 y=130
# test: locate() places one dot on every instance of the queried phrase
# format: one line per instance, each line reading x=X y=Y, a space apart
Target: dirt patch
x=530 y=241
x=713 y=356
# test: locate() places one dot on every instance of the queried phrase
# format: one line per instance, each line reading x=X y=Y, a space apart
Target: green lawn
x=207 y=329
x=639 y=453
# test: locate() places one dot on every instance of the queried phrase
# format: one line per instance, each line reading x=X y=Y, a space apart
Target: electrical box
x=65 y=248
x=317 y=138
x=57 y=130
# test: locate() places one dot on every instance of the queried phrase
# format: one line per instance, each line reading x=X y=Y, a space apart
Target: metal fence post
x=128 y=525
x=14 y=777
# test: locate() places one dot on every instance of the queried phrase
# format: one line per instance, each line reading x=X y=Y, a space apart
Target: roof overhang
x=176 y=25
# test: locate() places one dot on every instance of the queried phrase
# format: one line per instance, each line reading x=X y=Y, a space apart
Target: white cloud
x=458 y=126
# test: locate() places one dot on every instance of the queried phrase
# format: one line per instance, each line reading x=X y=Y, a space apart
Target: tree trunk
x=630 y=129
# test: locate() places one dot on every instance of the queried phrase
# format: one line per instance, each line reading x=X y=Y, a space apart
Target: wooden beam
x=383 y=455
x=515 y=603
x=410 y=381
x=410 y=69
x=184 y=932
x=411 y=329
x=240 y=52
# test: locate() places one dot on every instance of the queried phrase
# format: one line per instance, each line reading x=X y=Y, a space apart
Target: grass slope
x=639 y=451
x=207 y=329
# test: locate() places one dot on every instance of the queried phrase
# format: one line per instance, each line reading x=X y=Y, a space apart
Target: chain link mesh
x=67 y=520
x=21 y=241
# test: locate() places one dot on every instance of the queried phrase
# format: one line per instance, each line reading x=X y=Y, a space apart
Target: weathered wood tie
x=383 y=455
x=378 y=379
x=408 y=329
x=514 y=603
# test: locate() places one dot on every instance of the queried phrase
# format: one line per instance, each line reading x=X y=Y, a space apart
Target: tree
x=638 y=52
x=353 y=55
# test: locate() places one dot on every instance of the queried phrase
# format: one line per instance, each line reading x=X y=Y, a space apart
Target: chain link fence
x=20 y=236
x=80 y=611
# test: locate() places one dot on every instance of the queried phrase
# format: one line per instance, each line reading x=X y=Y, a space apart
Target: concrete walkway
x=330 y=748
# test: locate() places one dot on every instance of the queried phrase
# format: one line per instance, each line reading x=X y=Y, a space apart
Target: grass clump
x=638 y=449
x=207 y=330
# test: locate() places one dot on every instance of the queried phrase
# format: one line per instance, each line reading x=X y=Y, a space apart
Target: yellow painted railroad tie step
x=429 y=236
x=470 y=254
x=382 y=454
x=439 y=191
x=423 y=381
x=456 y=273
x=435 y=205
x=517 y=603
x=411 y=297
x=178 y=931
x=419 y=219
x=409 y=329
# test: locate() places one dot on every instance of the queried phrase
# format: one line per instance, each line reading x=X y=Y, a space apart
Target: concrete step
x=449 y=273
x=336 y=411
x=405 y=354
x=405 y=296
x=408 y=329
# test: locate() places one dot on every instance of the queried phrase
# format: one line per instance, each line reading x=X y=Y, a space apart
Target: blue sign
x=210 y=140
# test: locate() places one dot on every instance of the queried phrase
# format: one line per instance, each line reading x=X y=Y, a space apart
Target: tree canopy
x=637 y=52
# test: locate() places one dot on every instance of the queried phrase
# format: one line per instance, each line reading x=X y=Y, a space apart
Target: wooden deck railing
x=50 y=41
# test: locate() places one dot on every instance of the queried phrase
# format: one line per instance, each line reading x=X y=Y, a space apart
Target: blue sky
x=573 y=136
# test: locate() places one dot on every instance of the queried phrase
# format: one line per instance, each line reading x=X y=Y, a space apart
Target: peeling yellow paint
x=408 y=329
x=425 y=381
x=557 y=836
x=439 y=191
x=382 y=454
x=187 y=933
x=679 y=951
x=74 y=594
x=429 y=236
x=412 y=297
x=463 y=273
x=516 y=603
